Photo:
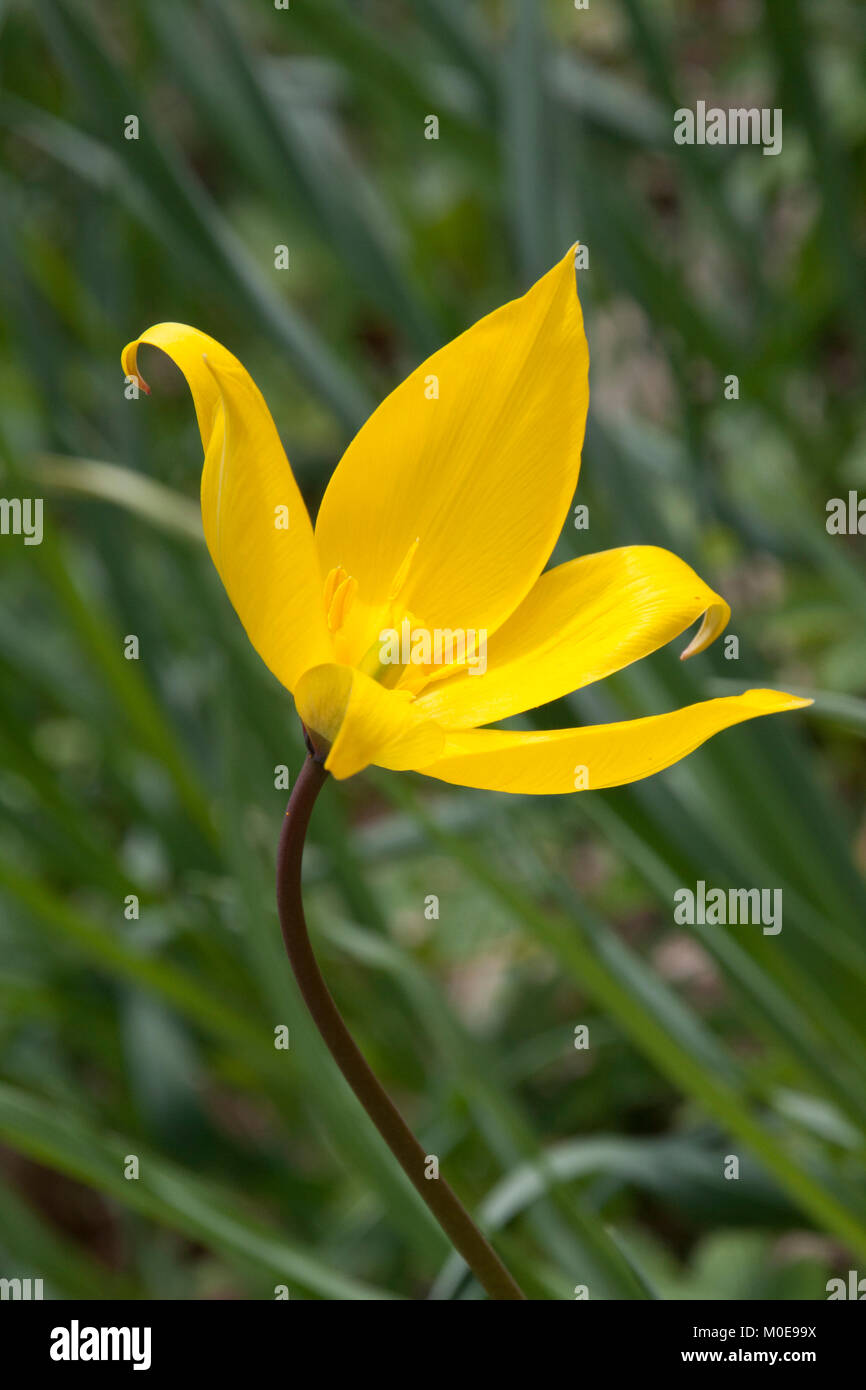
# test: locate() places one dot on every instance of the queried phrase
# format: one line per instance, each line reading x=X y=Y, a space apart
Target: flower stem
x=451 y=1215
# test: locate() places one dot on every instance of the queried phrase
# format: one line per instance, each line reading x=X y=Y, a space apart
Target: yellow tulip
x=434 y=532
x=440 y=518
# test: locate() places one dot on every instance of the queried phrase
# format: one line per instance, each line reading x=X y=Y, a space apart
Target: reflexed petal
x=271 y=572
x=364 y=722
x=480 y=477
x=580 y=622
x=600 y=755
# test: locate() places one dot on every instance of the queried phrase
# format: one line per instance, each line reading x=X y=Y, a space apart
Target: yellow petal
x=248 y=493
x=580 y=622
x=600 y=755
x=364 y=722
x=467 y=469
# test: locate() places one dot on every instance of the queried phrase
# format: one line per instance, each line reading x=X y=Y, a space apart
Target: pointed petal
x=580 y=622
x=270 y=571
x=600 y=755
x=480 y=476
x=364 y=722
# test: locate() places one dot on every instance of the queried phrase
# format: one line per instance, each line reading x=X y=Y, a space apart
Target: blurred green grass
x=154 y=1036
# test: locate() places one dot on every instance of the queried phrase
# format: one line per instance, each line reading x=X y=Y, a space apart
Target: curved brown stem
x=451 y=1215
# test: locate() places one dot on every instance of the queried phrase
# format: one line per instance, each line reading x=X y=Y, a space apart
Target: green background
x=154 y=1037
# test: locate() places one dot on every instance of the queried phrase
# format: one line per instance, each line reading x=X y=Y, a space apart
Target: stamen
x=341 y=602
x=335 y=578
x=399 y=581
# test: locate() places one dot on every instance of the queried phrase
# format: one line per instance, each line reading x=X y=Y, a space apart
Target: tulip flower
x=443 y=511
x=438 y=523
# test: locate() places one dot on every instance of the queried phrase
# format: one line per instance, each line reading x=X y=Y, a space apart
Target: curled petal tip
x=130 y=367
x=715 y=621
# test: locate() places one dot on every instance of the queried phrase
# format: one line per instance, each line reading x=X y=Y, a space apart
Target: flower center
x=387 y=641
